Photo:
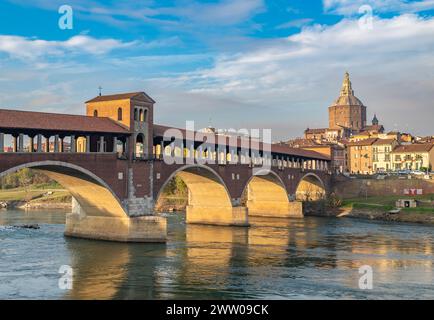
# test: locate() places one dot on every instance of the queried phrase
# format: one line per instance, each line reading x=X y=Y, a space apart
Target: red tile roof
x=314 y=131
x=364 y=142
x=374 y=127
x=425 y=147
x=14 y=119
x=381 y=142
x=120 y=96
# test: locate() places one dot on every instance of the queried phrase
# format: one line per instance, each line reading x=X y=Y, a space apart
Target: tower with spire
x=347 y=112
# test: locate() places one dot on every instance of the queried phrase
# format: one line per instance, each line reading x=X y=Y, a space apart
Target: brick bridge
x=116 y=163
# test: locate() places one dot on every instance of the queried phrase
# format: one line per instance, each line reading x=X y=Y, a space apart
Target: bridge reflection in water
x=275 y=258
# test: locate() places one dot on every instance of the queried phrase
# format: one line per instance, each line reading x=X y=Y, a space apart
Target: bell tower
x=134 y=111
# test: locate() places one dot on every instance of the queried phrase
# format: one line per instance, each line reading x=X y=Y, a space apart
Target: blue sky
x=243 y=63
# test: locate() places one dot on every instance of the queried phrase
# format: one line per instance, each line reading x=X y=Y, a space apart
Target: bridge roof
x=275 y=148
x=14 y=119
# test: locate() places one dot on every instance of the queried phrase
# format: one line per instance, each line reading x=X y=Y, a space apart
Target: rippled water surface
x=276 y=258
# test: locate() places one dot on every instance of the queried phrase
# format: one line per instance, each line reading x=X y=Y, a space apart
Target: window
x=145 y=115
x=141 y=115
x=135 y=114
x=95 y=113
x=120 y=114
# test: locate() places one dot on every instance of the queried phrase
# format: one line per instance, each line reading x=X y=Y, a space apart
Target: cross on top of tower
x=347 y=89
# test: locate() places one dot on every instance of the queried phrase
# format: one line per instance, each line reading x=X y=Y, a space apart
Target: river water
x=315 y=258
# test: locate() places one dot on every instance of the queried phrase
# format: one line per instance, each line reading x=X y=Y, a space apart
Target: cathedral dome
x=347 y=97
x=348 y=101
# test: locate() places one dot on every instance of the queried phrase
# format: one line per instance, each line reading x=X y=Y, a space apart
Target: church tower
x=134 y=111
x=347 y=111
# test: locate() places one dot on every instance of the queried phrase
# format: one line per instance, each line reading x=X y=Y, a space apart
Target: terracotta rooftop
x=363 y=133
x=365 y=142
x=159 y=130
x=14 y=119
x=380 y=142
x=319 y=130
x=425 y=147
x=300 y=142
x=120 y=96
x=373 y=127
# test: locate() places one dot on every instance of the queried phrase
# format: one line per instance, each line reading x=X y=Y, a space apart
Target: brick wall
x=351 y=188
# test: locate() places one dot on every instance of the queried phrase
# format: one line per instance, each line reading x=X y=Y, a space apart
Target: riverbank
x=35 y=198
x=383 y=208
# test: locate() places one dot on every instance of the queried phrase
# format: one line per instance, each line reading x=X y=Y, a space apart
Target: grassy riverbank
x=387 y=203
x=378 y=208
x=36 y=196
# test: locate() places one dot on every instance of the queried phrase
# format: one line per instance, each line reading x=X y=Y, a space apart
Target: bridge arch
x=310 y=188
x=209 y=200
x=265 y=194
x=92 y=193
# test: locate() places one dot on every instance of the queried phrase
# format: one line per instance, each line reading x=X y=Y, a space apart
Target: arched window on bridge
x=135 y=114
x=145 y=115
x=119 y=114
x=168 y=150
x=141 y=115
x=178 y=152
x=95 y=113
x=186 y=153
x=140 y=146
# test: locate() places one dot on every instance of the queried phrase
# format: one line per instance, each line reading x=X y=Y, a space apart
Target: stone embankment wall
x=353 y=188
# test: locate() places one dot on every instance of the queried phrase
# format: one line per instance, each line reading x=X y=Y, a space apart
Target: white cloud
x=285 y=84
x=301 y=75
x=295 y=23
x=351 y=7
x=30 y=48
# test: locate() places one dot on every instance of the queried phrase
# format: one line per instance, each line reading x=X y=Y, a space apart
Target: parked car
x=404 y=172
x=418 y=173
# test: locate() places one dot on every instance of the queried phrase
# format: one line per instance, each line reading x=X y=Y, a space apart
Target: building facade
x=360 y=156
x=382 y=154
x=413 y=157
